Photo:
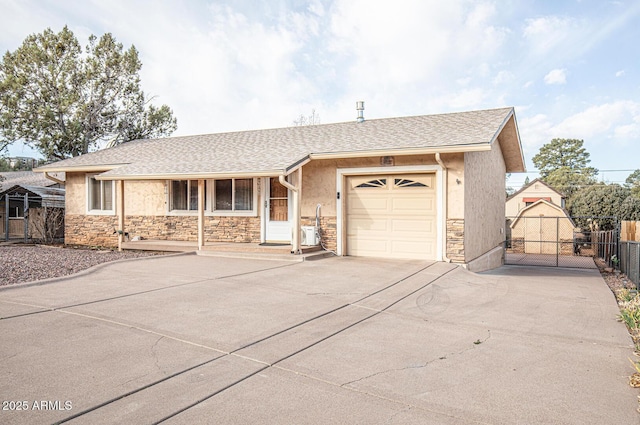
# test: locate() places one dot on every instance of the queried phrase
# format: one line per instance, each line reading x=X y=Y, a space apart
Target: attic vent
x=360 y=109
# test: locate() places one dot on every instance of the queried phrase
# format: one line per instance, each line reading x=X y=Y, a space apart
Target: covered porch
x=199 y=211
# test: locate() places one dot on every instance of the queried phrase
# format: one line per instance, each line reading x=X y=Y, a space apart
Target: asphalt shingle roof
x=276 y=150
x=12 y=178
x=50 y=196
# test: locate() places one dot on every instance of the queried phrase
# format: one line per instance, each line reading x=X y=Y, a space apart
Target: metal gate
x=561 y=241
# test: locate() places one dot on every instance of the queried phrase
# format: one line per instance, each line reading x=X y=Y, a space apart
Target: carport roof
x=50 y=196
x=282 y=150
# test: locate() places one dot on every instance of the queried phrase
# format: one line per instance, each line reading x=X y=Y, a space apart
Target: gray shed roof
x=12 y=178
x=50 y=196
x=278 y=151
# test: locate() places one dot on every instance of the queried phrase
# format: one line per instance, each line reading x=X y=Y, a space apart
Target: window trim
x=91 y=211
x=253 y=212
x=169 y=192
x=210 y=200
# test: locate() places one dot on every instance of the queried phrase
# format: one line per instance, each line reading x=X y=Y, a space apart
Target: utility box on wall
x=310 y=235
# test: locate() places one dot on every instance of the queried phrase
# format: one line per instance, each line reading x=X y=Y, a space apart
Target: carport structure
x=25 y=212
x=197 y=339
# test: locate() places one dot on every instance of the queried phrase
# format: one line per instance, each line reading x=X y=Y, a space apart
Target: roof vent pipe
x=360 y=109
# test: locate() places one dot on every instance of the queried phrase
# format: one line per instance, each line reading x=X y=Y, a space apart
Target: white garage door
x=392 y=216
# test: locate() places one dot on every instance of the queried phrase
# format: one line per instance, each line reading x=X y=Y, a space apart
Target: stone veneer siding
x=328 y=230
x=98 y=230
x=455 y=240
x=91 y=230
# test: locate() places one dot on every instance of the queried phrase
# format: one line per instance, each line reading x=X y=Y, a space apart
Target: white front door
x=277 y=212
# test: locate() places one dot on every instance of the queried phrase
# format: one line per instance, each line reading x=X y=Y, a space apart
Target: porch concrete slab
x=278 y=396
x=60 y=357
x=155 y=403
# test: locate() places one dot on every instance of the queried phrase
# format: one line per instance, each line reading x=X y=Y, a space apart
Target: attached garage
x=391 y=216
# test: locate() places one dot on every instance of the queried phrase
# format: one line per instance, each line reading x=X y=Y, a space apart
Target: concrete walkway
x=193 y=339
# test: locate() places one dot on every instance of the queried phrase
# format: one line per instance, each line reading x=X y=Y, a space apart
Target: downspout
x=444 y=206
x=54 y=179
x=295 y=237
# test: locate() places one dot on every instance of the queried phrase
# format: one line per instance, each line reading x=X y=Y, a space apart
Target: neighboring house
x=32 y=212
x=428 y=187
x=530 y=194
x=542 y=228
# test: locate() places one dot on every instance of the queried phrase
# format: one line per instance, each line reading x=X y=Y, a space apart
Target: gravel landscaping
x=27 y=263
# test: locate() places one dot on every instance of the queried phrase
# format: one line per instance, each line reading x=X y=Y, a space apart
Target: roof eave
x=402 y=151
x=190 y=176
x=518 y=165
x=77 y=168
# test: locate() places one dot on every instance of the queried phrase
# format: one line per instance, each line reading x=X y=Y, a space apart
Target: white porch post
x=295 y=242
x=200 y=214
x=120 y=208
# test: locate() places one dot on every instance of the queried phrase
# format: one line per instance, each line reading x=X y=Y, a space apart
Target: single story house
x=427 y=187
x=542 y=228
x=531 y=193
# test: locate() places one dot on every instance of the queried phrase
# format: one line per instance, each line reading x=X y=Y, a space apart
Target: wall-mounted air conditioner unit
x=310 y=235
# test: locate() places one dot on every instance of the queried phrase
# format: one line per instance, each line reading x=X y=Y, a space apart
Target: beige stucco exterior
x=319 y=180
x=75 y=194
x=484 y=192
x=535 y=190
x=474 y=182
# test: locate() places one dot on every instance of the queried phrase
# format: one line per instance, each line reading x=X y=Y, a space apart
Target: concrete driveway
x=193 y=339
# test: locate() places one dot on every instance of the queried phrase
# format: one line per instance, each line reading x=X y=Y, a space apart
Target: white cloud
x=609 y=124
x=503 y=77
x=556 y=76
x=608 y=121
x=620 y=73
x=548 y=33
x=385 y=51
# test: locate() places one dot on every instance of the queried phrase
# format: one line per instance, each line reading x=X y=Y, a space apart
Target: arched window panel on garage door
x=368 y=183
x=408 y=183
x=413 y=181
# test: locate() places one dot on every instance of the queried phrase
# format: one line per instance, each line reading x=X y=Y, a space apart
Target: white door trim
x=341 y=173
x=264 y=222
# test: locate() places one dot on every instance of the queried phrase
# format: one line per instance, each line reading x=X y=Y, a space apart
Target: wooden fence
x=630 y=231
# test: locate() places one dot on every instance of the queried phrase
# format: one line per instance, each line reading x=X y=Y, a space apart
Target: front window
x=101 y=194
x=222 y=197
x=233 y=195
x=184 y=195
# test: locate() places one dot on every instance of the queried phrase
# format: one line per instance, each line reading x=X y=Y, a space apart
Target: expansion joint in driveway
x=237 y=352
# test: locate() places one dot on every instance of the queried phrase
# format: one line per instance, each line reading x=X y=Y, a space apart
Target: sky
x=570 y=68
